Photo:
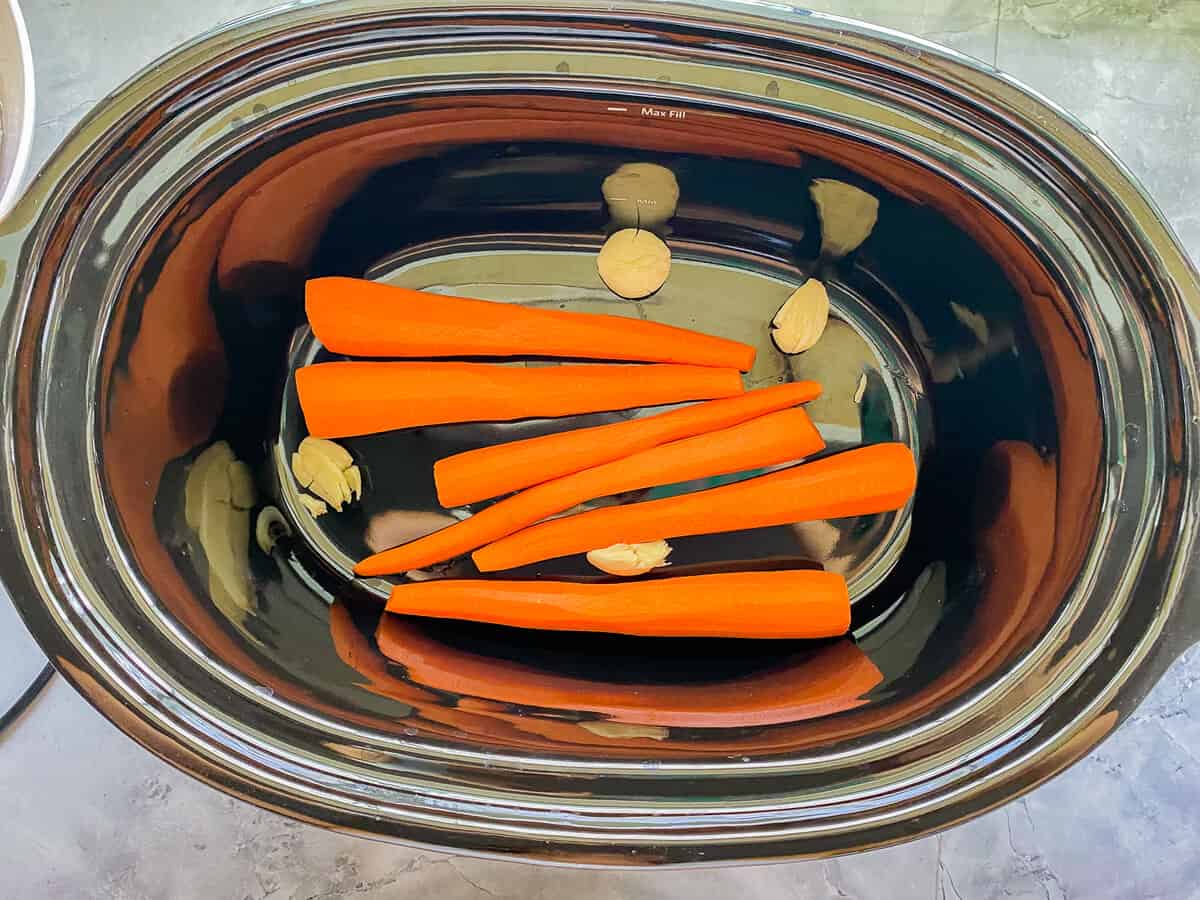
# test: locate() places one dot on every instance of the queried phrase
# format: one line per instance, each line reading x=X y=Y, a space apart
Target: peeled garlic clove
x=335 y=453
x=641 y=195
x=322 y=477
x=222 y=528
x=328 y=470
x=302 y=468
x=207 y=479
x=634 y=263
x=225 y=538
x=313 y=506
x=630 y=559
x=353 y=478
x=848 y=215
x=802 y=318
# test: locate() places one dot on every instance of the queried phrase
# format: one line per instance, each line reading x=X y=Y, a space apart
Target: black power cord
x=27 y=696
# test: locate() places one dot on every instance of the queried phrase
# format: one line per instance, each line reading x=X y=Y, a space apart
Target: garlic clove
x=634 y=263
x=630 y=559
x=207 y=479
x=848 y=215
x=801 y=320
x=313 y=506
x=353 y=477
x=327 y=469
x=642 y=195
x=322 y=477
x=216 y=483
x=302 y=468
x=335 y=453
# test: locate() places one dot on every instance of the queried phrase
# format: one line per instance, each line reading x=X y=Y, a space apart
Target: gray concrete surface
x=88 y=814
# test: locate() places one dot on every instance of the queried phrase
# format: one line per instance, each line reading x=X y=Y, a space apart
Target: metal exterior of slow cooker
x=83 y=599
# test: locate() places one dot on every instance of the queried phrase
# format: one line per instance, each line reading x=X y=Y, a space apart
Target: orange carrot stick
x=861 y=481
x=365 y=318
x=498 y=469
x=776 y=438
x=799 y=603
x=344 y=399
x=805 y=685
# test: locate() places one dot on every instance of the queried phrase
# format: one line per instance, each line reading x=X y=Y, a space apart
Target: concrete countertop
x=89 y=814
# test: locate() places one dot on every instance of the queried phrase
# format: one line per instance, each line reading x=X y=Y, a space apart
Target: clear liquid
x=907 y=273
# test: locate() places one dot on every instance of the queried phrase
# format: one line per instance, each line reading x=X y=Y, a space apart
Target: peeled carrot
x=344 y=399
x=491 y=471
x=799 y=603
x=365 y=318
x=854 y=483
x=804 y=685
x=776 y=438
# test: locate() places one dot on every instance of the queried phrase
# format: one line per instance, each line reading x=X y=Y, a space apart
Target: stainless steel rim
x=216 y=725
